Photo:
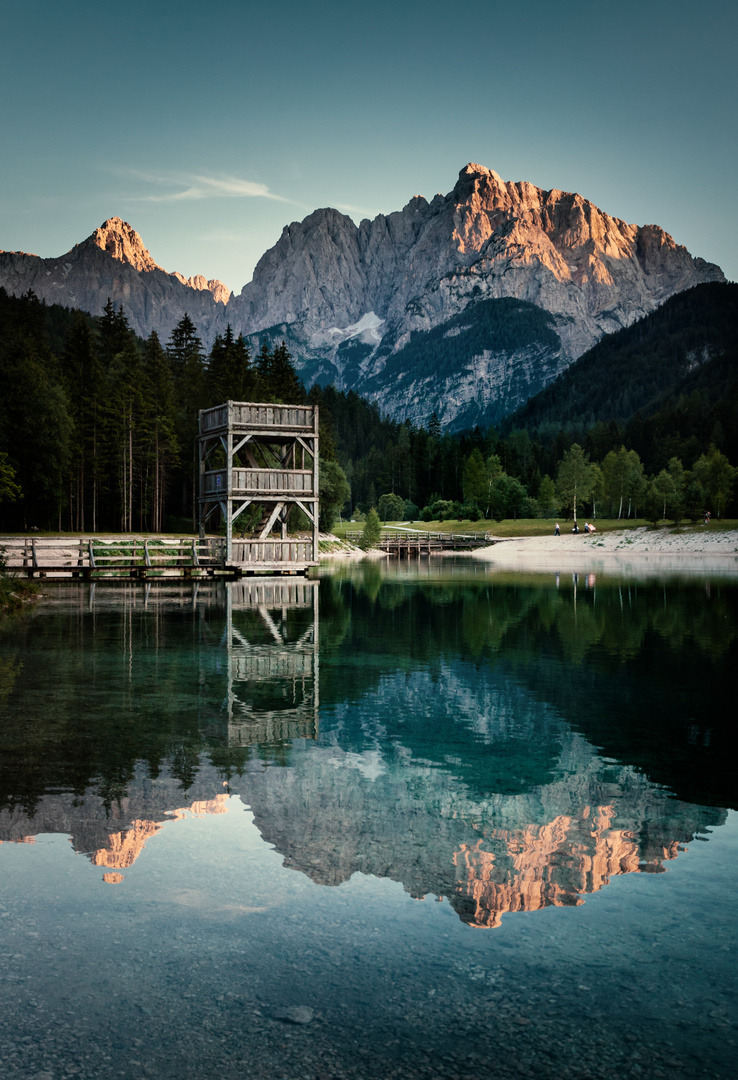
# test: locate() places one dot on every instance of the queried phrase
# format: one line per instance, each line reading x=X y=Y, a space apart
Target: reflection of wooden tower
x=273 y=678
x=261 y=461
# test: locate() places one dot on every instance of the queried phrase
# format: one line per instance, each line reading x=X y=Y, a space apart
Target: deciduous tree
x=576 y=478
x=372 y=530
x=391 y=507
x=717 y=476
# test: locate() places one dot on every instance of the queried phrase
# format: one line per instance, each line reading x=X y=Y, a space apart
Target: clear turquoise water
x=412 y=825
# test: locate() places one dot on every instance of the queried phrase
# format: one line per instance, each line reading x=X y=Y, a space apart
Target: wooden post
x=316 y=484
x=229 y=486
x=201 y=478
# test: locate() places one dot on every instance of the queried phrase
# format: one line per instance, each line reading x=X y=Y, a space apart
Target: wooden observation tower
x=258 y=464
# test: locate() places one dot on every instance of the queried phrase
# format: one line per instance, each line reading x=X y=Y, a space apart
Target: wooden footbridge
x=93 y=558
x=145 y=558
x=413 y=544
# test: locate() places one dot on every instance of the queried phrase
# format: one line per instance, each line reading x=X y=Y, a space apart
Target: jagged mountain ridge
x=122 y=242
x=114 y=263
x=350 y=300
x=423 y=264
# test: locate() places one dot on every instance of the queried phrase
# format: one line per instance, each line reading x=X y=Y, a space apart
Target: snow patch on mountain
x=366 y=330
x=368 y=326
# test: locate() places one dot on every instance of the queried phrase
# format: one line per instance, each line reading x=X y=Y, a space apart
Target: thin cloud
x=192 y=186
x=356 y=210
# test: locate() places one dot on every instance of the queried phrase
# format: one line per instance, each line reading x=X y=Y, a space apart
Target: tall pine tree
x=230 y=374
x=188 y=370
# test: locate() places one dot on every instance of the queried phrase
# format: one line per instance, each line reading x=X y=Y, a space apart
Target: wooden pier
x=93 y=558
x=415 y=544
x=144 y=558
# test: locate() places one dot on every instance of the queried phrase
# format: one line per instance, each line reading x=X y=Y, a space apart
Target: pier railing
x=272 y=553
x=399 y=542
x=99 y=557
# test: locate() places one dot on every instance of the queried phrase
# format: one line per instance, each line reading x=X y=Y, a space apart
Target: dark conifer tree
x=113 y=330
x=86 y=386
x=35 y=429
x=188 y=371
x=230 y=374
x=264 y=367
x=161 y=452
x=286 y=386
x=127 y=429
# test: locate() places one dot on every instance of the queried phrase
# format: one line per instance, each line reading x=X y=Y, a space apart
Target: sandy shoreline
x=637 y=551
x=641 y=552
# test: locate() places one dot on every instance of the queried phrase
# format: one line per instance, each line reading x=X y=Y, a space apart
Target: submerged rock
x=294 y=1014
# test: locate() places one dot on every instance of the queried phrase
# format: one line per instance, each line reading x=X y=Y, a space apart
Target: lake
x=422 y=821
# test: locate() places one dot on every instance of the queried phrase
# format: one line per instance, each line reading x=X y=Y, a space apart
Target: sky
x=209 y=127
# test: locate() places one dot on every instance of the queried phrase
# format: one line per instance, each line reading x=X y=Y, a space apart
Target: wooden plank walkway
x=413 y=544
x=93 y=558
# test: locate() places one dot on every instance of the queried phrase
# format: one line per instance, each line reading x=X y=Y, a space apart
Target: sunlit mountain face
x=465 y=306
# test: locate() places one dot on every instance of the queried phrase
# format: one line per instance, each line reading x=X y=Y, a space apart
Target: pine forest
x=98 y=428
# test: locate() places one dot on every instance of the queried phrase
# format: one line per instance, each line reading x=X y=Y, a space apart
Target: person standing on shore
x=557 y=531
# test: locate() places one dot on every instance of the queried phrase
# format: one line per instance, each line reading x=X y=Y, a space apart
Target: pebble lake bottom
x=424 y=825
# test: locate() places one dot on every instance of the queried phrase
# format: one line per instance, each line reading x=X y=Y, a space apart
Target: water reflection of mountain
x=114 y=836
x=333 y=812
x=454 y=752
x=639 y=669
x=381 y=807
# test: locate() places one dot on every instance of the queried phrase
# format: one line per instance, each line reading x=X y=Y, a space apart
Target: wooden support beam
x=244 y=506
x=270 y=521
x=306 y=510
x=305 y=444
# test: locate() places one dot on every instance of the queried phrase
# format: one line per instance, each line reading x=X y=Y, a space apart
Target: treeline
x=98 y=428
x=98 y=432
x=409 y=472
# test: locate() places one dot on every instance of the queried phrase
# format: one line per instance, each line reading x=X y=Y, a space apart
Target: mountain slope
x=471 y=369
x=676 y=347
x=368 y=306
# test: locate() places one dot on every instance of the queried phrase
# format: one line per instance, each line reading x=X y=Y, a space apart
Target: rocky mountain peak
x=123 y=242
x=543 y=259
x=418 y=202
x=221 y=293
x=476 y=178
x=474 y=170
